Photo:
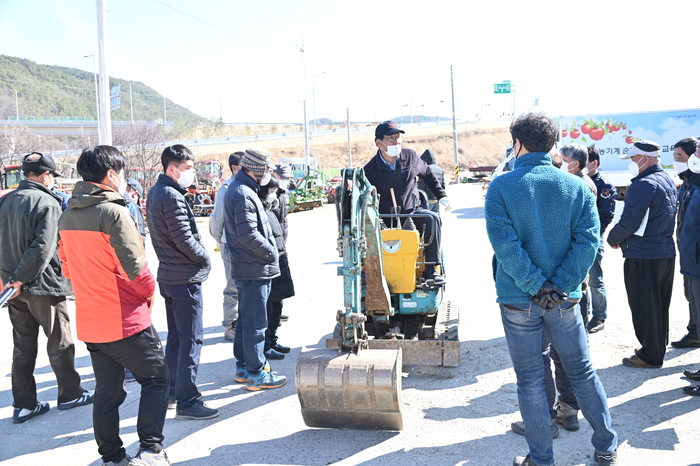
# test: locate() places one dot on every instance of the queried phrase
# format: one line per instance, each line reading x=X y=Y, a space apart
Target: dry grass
x=478 y=144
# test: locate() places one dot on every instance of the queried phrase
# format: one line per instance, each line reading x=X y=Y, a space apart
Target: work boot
x=567 y=416
x=519 y=428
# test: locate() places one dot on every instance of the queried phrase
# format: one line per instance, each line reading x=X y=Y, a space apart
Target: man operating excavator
x=393 y=171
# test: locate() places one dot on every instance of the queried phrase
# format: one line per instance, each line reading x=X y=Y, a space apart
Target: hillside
x=44 y=90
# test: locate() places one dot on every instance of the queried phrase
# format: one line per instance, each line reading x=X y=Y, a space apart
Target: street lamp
x=97 y=98
x=313 y=93
x=16 y=103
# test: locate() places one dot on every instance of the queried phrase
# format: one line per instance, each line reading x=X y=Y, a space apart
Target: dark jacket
x=182 y=257
x=282 y=210
x=689 y=238
x=429 y=158
x=249 y=236
x=651 y=190
x=402 y=180
x=282 y=285
x=691 y=181
x=605 y=201
x=29 y=240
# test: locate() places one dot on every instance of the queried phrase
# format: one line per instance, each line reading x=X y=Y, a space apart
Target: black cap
x=37 y=162
x=387 y=129
x=135 y=185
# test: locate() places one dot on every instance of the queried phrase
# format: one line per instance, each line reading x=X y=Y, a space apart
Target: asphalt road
x=451 y=415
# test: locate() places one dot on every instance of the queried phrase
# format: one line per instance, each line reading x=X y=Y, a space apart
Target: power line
x=227 y=32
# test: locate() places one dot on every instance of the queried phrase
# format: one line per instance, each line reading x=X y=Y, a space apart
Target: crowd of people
x=545 y=219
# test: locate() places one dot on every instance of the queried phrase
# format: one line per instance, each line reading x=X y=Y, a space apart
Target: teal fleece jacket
x=543 y=225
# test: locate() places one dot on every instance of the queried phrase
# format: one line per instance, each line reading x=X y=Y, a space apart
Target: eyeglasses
x=396 y=138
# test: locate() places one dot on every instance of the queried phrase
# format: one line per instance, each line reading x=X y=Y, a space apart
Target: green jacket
x=29 y=240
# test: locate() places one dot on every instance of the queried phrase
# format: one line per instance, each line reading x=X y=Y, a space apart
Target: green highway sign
x=502 y=88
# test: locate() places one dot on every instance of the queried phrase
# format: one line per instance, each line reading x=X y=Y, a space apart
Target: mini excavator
x=391 y=316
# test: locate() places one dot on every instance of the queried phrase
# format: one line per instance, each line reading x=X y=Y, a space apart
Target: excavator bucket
x=350 y=391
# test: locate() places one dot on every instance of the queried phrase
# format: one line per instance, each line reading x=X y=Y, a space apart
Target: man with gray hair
x=255 y=263
x=645 y=235
x=216 y=229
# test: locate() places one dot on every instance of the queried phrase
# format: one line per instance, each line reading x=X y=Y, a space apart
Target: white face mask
x=694 y=164
x=186 y=178
x=393 y=151
x=585 y=170
x=680 y=167
x=284 y=184
x=564 y=167
x=122 y=187
x=266 y=178
x=634 y=168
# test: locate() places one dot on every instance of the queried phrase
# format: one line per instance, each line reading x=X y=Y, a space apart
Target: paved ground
x=451 y=416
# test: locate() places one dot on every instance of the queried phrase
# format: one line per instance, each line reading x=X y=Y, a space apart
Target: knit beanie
x=256 y=159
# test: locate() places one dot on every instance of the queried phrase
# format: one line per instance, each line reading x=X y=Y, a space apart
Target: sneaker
x=566 y=416
x=230 y=332
x=198 y=411
x=596 y=325
x=85 y=399
x=21 y=415
x=430 y=274
x=242 y=374
x=523 y=461
x=519 y=428
x=264 y=380
x=284 y=318
x=693 y=375
x=692 y=390
x=172 y=403
x=156 y=459
x=128 y=376
x=606 y=458
x=126 y=461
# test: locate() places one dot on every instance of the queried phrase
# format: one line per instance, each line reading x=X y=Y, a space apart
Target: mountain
x=44 y=90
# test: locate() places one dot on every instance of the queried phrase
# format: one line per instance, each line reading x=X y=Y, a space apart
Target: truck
x=614 y=134
x=10 y=176
x=209 y=180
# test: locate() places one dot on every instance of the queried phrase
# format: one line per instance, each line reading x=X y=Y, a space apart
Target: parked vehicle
x=10 y=176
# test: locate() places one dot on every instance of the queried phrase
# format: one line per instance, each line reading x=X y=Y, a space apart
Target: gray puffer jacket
x=248 y=232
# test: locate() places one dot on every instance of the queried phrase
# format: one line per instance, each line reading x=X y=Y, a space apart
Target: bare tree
x=18 y=140
x=142 y=145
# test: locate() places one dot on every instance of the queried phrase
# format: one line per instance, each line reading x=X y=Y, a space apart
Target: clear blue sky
x=379 y=58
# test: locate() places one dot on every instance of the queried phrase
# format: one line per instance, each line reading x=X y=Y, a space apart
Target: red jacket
x=103 y=255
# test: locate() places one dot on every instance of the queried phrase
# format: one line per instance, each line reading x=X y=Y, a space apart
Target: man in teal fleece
x=544 y=229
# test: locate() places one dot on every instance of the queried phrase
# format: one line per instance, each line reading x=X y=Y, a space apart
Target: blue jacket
x=543 y=225
x=691 y=181
x=605 y=201
x=249 y=238
x=182 y=258
x=689 y=238
x=651 y=190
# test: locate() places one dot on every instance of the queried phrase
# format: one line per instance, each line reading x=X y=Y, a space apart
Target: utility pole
x=105 y=112
x=131 y=104
x=165 y=113
x=454 y=126
x=303 y=98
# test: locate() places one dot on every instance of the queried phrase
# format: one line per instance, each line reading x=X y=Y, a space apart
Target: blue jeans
x=599 y=302
x=231 y=291
x=249 y=341
x=523 y=324
x=183 y=309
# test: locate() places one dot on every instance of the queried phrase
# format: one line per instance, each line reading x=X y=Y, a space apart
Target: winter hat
x=256 y=160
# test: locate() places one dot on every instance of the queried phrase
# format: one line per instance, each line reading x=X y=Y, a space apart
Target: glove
x=446 y=204
x=549 y=295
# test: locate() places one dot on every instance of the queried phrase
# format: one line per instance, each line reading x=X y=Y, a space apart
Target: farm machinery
x=209 y=179
x=10 y=176
x=308 y=194
x=391 y=315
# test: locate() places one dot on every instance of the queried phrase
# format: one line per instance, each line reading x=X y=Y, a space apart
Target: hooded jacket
x=103 y=254
x=652 y=191
x=182 y=258
x=402 y=179
x=429 y=158
x=29 y=238
x=249 y=237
